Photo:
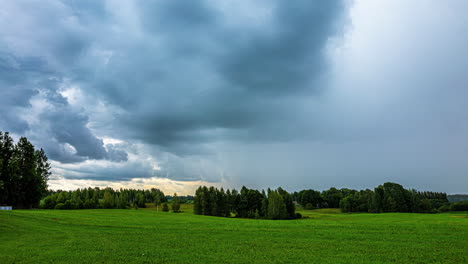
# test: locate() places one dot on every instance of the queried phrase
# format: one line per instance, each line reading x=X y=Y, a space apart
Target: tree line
x=108 y=198
x=24 y=172
x=388 y=197
x=279 y=204
x=248 y=203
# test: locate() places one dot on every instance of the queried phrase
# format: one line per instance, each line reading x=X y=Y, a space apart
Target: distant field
x=147 y=236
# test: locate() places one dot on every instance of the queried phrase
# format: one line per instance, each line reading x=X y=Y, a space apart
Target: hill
x=453 y=198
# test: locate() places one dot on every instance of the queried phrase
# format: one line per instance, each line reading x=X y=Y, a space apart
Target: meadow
x=148 y=236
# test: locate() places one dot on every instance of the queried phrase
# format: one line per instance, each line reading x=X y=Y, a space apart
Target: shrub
x=444 y=208
x=47 y=203
x=60 y=206
x=165 y=207
x=309 y=206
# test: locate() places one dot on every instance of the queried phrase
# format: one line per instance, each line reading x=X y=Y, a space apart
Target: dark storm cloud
x=253 y=92
x=197 y=75
x=24 y=77
x=184 y=74
x=16 y=79
x=289 y=58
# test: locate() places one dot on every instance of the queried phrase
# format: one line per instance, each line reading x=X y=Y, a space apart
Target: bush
x=445 y=208
x=60 y=206
x=309 y=206
x=165 y=207
x=298 y=215
x=47 y=203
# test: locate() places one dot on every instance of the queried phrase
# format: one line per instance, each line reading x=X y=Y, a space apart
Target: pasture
x=147 y=236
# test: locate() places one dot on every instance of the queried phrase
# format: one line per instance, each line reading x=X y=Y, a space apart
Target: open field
x=147 y=236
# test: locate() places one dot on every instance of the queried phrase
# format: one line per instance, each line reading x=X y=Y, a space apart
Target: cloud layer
x=297 y=94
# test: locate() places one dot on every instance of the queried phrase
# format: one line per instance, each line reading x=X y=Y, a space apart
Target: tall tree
x=276 y=206
x=7 y=172
x=175 y=203
x=157 y=200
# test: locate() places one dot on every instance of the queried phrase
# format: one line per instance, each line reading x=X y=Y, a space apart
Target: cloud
x=247 y=92
x=199 y=84
x=175 y=93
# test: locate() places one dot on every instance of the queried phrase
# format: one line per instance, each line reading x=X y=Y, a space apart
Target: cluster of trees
x=389 y=197
x=330 y=198
x=24 y=172
x=392 y=197
x=248 y=203
x=458 y=206
x=108 y=198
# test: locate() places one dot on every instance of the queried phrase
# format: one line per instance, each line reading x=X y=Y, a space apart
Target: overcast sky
x=298 y=94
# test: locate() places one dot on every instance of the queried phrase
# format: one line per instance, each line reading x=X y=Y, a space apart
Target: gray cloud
x=106 y=171
x=210 y=76
x=62 y=131
x=286 y=93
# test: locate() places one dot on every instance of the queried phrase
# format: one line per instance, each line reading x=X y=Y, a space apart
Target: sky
x=299 y=94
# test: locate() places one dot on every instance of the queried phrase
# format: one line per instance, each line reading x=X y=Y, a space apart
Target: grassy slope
x=147 y=236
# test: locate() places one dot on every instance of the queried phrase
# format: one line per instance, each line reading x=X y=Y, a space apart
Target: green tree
x=197 y=201
x=332 y=196
x=24 y=172
x=157 y=199
x=276 y=206
x=288 y=202
x=165 y=207
x=108 y=200
x=175 y=203
x=7 y=172
x=140 y=200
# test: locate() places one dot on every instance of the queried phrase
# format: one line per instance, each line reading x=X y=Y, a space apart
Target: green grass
x=147 y=236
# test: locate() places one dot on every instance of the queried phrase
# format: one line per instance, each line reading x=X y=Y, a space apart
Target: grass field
x=147 y=236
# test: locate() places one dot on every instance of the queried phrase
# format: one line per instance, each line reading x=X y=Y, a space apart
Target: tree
x=108 y=200
x=332 y=196
x=276 y=206
x=24 y=172
x=175 y=203
x=157 y=200
x=378 y=200
x=288 y=202
x=7 y=177
x=43 y=172
x=310 y=196
x=197 y=203
x=140 y=200
x=165 y=207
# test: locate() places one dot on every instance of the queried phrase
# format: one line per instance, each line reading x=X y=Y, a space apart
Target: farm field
x=147 y=236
